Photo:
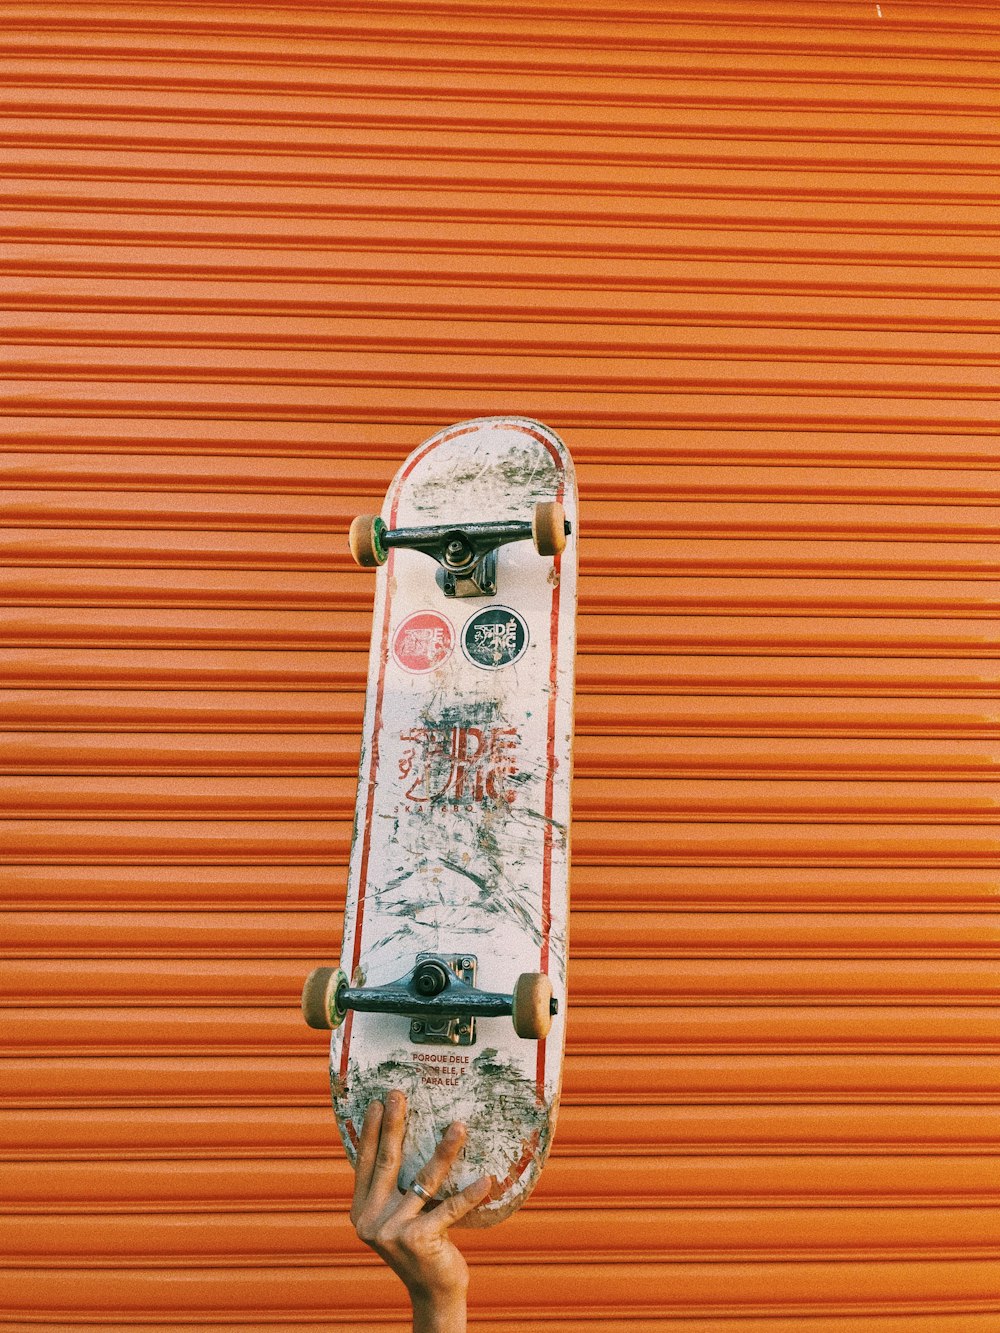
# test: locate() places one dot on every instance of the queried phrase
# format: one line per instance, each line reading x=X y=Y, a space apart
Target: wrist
x=440 y=1311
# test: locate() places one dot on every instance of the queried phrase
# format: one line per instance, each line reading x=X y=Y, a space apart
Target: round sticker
x=494 y=638
x=423 y=641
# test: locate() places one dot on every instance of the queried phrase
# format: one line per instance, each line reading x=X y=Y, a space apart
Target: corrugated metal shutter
x=743 y=256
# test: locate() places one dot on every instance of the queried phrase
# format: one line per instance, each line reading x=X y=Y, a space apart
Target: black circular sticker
x=494 y=637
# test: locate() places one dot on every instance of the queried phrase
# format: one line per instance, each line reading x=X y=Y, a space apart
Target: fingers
x=367 y=1148
x=377 y=1169
x=388 y=1155
x=433 y=1175
x=455 y=1208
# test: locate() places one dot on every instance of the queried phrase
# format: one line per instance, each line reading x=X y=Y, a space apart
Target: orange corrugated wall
x=743 y=255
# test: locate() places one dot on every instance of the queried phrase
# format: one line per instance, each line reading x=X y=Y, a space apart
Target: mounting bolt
x=430 y=979
x=417 y=1025
x=457 y=553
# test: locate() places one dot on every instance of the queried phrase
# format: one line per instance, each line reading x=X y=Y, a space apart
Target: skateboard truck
x=466 y=552
x=438 y=995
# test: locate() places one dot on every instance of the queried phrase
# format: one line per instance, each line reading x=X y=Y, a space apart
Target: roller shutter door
x=743 y=257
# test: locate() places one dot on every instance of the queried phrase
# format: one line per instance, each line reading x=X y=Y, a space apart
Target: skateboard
x=452 y=980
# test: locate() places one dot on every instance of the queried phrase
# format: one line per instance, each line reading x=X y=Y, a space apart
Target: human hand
x=403 y=1229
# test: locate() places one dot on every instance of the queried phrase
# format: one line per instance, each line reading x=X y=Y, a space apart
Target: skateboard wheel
x=532 y=1008
x=365 y=538
x=319 y=997
x=548 y=527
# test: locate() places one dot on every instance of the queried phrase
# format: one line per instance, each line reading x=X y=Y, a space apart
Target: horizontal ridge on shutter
x=743 y=257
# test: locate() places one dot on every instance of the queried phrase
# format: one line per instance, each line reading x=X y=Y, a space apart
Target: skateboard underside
x=461 y=840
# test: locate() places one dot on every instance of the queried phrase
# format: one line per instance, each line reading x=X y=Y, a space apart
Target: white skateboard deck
x=461 y=837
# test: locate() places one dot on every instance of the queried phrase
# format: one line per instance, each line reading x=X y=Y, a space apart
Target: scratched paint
x=463 y=820
x=521 y=473
x=485 y=1089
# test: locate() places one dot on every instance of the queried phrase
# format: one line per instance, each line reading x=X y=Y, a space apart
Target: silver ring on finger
x=418 y=1189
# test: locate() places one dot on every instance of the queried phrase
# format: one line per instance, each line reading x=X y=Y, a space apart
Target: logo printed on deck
x=456 y=764
x=423 y=642
x=494 y=638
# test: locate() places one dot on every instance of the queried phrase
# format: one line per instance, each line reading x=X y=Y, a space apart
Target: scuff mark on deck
x=498 y=1103
x=522 y=470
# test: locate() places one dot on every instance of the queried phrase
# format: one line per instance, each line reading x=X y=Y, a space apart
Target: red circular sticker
x=423 y=641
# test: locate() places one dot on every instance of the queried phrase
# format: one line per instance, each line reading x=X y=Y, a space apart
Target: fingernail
x=454 y=1132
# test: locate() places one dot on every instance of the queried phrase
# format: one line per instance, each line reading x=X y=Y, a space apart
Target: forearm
x=439 y=1314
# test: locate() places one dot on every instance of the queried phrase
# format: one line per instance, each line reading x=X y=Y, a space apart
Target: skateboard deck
x=458 y=875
